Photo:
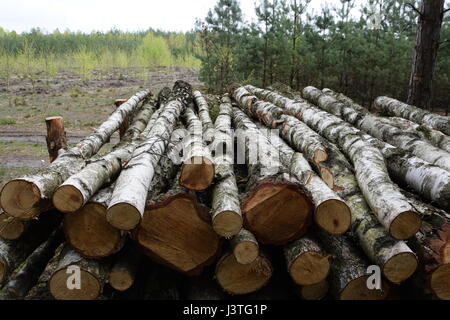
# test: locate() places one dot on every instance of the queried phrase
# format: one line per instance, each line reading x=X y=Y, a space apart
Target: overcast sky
x=103 y=15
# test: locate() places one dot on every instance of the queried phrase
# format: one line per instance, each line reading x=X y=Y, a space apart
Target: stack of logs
x=338 y=192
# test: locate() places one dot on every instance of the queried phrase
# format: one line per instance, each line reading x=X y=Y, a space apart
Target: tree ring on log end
x=68 y=199
x=309 y=268
x=120 y=280
x=314 y=292
x=333 y=216
x=20 y=198
x=240 y=279
x=90 y=234
x=10 y=228
x=227 y=223
x=357 y=290
x=277 y=213
x=246 y=252
x=90 y=287
x=197 y=174
x=123 y=216
x=320 y=156
x=405 y=225
x=440 y=282
x=400 y=267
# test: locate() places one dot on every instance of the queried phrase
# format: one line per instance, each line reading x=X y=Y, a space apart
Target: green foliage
x=154 y=52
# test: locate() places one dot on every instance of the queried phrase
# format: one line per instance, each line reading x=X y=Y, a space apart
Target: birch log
x=392 y=208
x=56 y=136
x=270 y=186
x=349 y=277
x=28 y=274
x=226 y=211
x=126 y=122
x=314 y=292
x=410 y=142
x=307 y=263
x=240 y=279
x=28 y=196
x=93 y=275
x=245 y=247
x=124 y=269
x=331 y=213
x=399 y=109
x=88 y=231
x=14 y=253
x=12 y=228
x=205 y=118
x=395 y=258
x=76 y=191
x=198 y=169
x=128 y=200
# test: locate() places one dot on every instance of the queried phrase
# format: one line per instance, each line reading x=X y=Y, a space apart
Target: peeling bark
x=392 y=208
x=410 y=142
x=30 y=195
x=128 y=201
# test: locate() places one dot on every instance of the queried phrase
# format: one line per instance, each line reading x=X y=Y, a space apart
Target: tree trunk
x=245 y=247
x=240 y=279
x=76 y=191
x=93 y=276
x=397 y=261
x=198 y=169
x=409 y=142
x=226 y=211
x=125 y=267
x=126 y=122
x=88 y=231
x=426 y=52
x=128 y=200
x=270 y=186
x=184 y=242
x=14 y=253
x=56 y=136
x=348 y=279
x=306 y=261
x=28 y=275
x=391 y=207
x=205 y=118
x=30 y=195
x=331 y=213
x=399 y=109
x=11 y=228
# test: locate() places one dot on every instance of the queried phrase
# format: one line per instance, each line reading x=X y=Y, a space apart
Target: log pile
x=275 y=198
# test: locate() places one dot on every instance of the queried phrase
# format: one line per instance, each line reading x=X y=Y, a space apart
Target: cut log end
x=400 y=267
x=240 y=279
x=320 y=156
x=246 y=252
x=227 y=224
x=314 y=292
x=68 y=199
x=123 y=216
x=277 y=213
x=440 y=282
x=10 y=228
x=90 y=234
x=197 y=174
x=120 y=280
x=90 y=287
x=309 y=268
x=327 y=177
x=20 y=199
x=406 y=225
x=175 y=234
x=333 y=216
x=357 y=290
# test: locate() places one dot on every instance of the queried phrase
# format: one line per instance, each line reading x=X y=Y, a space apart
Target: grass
x=22 y=149
x=7 y=121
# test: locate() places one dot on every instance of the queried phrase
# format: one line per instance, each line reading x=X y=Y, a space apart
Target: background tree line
x=363 y=55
